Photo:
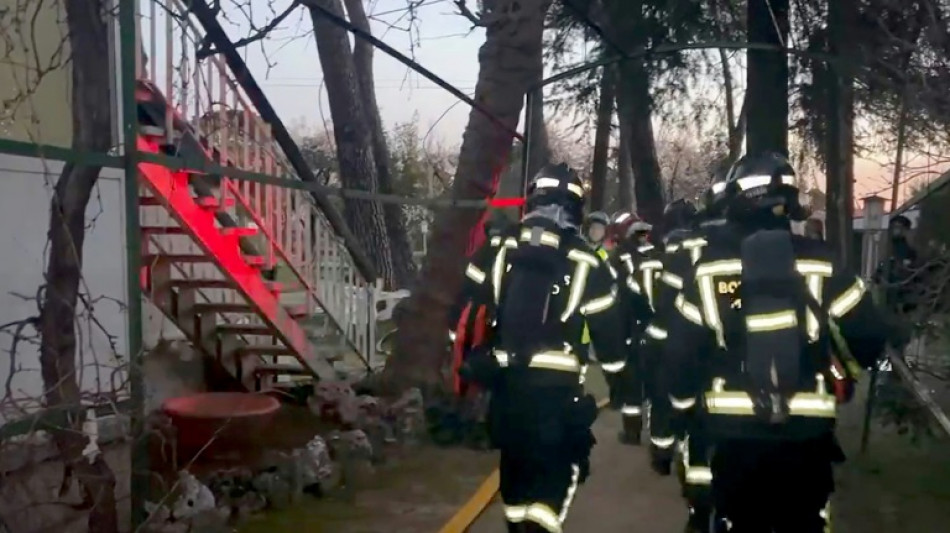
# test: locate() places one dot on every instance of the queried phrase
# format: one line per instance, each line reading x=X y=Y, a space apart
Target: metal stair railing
x=298 y=243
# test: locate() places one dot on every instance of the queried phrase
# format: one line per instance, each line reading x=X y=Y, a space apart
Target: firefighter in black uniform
x=678 y=226
x=543 y=284
x=673 y=419
x=753 y=330
x=595 y=231
x=638 y=262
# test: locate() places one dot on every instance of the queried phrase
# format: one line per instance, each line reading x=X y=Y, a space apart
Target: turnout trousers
x=544 y=438
x=695 y=473
x=537 y=489
x=631 y=396
x=773 y=486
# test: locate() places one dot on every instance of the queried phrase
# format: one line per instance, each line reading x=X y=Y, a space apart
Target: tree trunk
x=403 y=268
x=539 y=149
x=635 y=106
x=767 y=78
x=508 y=66
x=899 y=151
x=839 y=157
x=354 y=139
x=625 y=199
x=605 y=113
x=92 y=122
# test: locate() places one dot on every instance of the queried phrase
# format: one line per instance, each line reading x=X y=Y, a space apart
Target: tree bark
x=539 y=150
x=403 y=268
x=839 y=157
x=899 y=151
x=353 y=135
x=767 y=78
x=605 y=113
x=91 y=122
x=508 y=66
x=635 y=106
x=625 y=199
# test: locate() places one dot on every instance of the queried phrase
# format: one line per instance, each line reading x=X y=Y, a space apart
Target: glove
x=480 y=367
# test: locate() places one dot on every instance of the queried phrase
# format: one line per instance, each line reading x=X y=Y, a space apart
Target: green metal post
x=128 y=26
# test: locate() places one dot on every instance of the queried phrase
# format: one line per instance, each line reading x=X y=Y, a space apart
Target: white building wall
x=102 y=352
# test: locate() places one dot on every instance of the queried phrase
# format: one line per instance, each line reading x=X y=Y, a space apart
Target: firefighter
x=543 y=284
x=638 y=262
x=679 y=226
x=620 y=222
x=595 y=227
x=752 y=329
x=672 y=419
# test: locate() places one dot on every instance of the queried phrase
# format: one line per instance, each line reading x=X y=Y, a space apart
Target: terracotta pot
x=234 y=420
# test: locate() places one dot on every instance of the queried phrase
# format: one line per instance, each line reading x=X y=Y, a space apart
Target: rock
x=275 y=488
x=195 y=497
x=157 y=513
x=353 y=453
x=333 y=401
x=174 y=527
x=408 y=417
x=248 y=504
x=316 y=469
x=210 y=521
x=230 y=486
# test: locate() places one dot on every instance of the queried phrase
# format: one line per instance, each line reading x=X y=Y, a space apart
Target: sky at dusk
x=289 y=71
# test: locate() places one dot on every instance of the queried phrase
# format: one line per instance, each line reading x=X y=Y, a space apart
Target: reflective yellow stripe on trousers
x=549 y=360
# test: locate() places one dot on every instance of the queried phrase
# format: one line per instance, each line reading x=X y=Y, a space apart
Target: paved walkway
x=622 y=494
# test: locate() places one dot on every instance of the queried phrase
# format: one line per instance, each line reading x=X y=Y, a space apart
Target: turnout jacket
x=586 y=296
x=703 y=363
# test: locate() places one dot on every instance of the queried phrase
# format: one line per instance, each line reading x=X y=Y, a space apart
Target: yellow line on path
x=473 y=508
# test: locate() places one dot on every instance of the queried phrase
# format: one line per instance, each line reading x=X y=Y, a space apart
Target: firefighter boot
x=630 y=434
x=700 y=517
x=661 y=459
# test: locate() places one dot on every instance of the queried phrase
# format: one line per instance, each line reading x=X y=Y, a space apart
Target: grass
x=897 y=486
x=417 y=491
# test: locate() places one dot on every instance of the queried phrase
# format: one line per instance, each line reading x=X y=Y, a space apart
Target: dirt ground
x=898 y=486
x=415 y=492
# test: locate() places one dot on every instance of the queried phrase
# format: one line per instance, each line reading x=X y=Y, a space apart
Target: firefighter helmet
x=557 y=185
x=598 y=217
x=678 y=214
x=763 y=182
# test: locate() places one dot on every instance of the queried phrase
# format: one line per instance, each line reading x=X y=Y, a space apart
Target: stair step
x=297 y=311
x=281 y=369
x=149 y=259
x=214 y=202
x=232 y=307
x=245 y=329
x=149 y=201
x=164 y=230
x=202 y=283
x=257 y=261
x=239 y=231
x=266 y=349
x=151 y=131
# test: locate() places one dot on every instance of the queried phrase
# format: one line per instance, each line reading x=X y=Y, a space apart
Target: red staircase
x=222 y=259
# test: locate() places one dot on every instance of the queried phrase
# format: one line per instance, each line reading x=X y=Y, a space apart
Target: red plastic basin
x=232 y=419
